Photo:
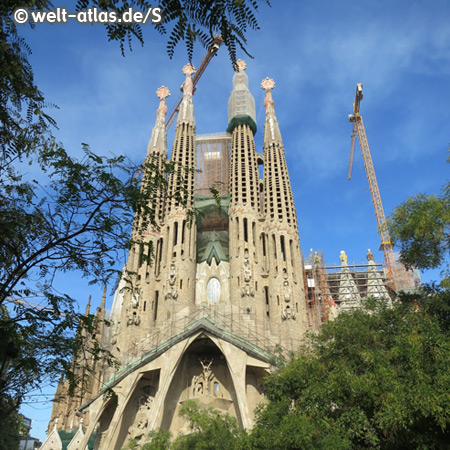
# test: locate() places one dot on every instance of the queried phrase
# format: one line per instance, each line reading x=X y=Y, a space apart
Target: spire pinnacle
x=156 y=143
x=88 y=306
x=271 y=129
x=186 y=113
x=241 y=104
x=102 y=304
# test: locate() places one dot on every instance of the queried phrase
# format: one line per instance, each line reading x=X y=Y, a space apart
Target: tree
x=421 y=228
x=376 y=378
x=208 y=430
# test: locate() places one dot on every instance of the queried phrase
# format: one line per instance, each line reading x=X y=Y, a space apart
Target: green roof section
x=241 y=120
x=67 y=436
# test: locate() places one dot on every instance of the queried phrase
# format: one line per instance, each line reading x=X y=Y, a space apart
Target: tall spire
x=183 y=150
x=158 y=140
x=244 y=175
x=278 y=198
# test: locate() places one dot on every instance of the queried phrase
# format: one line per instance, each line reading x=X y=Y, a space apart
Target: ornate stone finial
x=240 y=65
x=162 y=92
x=267 y=84
x=188 y=69
x=369 y=255
x=343 y=257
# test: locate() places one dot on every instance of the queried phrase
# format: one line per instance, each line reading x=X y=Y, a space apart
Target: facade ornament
x=135 y=299
x=139 y=428
x=172 y=293
x=201 y=384
x=172 y=278
x=247 y=289
x=287 y=291
x=288 y=313
x=343 y=258
x=370 y=256
x=133 y=320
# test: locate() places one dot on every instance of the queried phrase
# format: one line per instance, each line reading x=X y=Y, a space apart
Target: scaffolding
x=213 y=152
x=317 y=292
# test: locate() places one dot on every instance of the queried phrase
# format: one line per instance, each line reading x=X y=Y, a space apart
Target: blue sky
x=316 y=51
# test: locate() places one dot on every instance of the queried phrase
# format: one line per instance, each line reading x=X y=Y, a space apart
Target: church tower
x=214 y=283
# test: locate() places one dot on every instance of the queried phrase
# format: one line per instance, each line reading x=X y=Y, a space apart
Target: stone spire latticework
x=278 y=198
x=376 y=287
x=348 y=294
x=182 y=179
x=244 y=175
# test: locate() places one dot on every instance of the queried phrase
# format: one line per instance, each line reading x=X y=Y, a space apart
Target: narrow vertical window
x=175 y=233
x=266 y=294
x=155 y=313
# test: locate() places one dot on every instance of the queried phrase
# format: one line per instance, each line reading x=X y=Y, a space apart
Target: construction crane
x=212 y=50
x=358 y=129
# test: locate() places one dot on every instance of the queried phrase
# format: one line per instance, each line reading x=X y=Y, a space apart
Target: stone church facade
x=219 y=294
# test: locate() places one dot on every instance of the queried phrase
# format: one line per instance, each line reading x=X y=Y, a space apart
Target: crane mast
x=358 y=129
x=212 y=50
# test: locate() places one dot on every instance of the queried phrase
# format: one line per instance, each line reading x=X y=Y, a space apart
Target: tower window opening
x=145 y=306
x=266 y=294
x=245 y=230
x=141 y=255
x=175 y=233
x=283 y=250
x=181 y=284
x=183 y=231
x=149 y=253
x=263 y=238
x=155 y=313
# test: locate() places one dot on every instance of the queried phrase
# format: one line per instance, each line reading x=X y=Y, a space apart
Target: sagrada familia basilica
x=218 y=296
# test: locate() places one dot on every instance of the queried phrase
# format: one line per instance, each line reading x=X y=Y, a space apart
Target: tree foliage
x=187 y=21
x=208 y=430
x=376 y=378
x=420 y=227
